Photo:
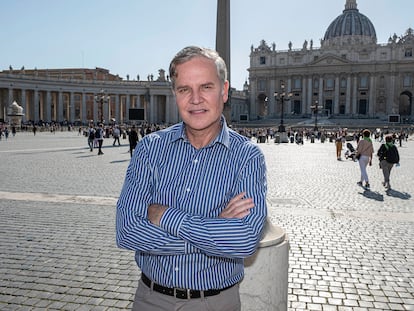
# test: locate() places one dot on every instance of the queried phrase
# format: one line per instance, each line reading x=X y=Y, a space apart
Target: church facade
x=349 y=76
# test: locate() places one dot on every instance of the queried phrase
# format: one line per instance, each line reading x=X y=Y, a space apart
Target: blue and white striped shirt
x=192 y=248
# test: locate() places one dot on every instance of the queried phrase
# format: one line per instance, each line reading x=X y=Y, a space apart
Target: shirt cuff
x=172 y=220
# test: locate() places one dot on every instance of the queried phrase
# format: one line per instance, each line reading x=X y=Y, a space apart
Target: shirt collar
x=222 y=138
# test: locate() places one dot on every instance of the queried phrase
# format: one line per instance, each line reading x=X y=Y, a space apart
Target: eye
x=183 y=90
x=207 y=86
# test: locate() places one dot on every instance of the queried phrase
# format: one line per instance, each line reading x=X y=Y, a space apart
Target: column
x=23 y=104
x=10 y=101
x=391 y=95
x=60 y=107
x=96 y=119
x=153 y=109
x=348 y=95
x=107 y=105
x=309 y=97
x=304 y=91
x=336 y=103
x=288 y=106
x=371 y=108
x=36 y=106
x=83 y=109
x=354 y=95
x=48 y=106
x=271 y=104
x=320 y=94
x=127 y=105
x=117 y=110
x=253 y=100
x=265 y=283
x=72 y=107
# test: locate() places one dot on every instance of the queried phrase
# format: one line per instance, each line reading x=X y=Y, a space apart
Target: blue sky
x=139 y=37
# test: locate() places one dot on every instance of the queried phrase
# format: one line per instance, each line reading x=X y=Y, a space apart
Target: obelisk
x=223 y=43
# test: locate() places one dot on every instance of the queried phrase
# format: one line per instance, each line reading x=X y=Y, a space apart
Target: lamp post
x=102 y=98
x=282 y=97
x=315 y=108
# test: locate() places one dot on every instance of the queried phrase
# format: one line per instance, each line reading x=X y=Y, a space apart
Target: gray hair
x=190 y=52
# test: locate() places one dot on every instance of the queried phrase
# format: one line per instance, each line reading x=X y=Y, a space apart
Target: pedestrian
x=99 y=136
x=133 y=139
x=116 y=134
x=193 y=203
x=338 y=144
x=388 y=156
x=91 y=137
x=364 y=152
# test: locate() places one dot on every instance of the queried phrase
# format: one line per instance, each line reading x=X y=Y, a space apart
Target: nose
x=196 y=97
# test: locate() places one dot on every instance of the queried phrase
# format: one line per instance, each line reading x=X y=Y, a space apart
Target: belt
x=180 y=293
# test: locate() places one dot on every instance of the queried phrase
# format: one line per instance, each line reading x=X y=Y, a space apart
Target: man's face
x=200 y=96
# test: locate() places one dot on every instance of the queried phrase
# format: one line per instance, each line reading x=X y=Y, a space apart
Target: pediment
x=329 y=59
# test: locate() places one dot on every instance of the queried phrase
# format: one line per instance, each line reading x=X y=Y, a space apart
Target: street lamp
x=102 y=98
x=282 y=97
x=315 y=108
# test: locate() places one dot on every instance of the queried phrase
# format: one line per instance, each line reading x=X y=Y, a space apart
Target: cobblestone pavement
x=351 y=249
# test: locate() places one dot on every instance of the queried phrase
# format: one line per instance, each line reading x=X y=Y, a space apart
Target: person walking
x=116 y=134
x=193 y=203
x=364 y=152
x=338 y=144
x=91 y=137
x=388 y=156
x=133 y=139
x=99 y=136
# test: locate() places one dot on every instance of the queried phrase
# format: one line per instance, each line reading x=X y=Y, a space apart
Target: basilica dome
x=349 y=27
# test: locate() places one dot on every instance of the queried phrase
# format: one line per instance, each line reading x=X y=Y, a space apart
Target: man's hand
x=238 y=207
x=155 y=212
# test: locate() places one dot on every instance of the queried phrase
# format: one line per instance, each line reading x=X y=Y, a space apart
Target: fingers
x=238 y=207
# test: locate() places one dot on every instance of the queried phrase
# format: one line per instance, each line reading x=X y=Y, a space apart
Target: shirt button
x=188 y=189
x=176 y=269
x=195 y=161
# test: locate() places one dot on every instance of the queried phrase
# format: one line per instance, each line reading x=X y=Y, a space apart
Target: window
x=315 y=83
x=363 y=82
x=262 y=60
x=343 y=83
x=329 y=83
x=261 y=85
x=297 y=83
x=407 y=81
x=409 y=52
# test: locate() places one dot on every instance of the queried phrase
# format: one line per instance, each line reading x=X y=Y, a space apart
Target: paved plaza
x=351 y=249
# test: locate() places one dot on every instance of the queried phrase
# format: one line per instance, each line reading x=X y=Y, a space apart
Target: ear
x=225 y=91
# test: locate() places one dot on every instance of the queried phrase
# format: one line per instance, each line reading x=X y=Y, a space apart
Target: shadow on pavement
x=398 y=194
x=373 y=195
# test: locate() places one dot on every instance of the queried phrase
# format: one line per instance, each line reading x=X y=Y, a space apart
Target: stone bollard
x=265 y=283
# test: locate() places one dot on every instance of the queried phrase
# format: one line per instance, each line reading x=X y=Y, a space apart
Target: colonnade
x=79 y=101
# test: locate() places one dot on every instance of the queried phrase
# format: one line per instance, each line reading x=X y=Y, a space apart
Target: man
x=91 y=137
x=133 y=139
x=388 y=156
x=193 y=204
x=116 y=134
x=99 y=136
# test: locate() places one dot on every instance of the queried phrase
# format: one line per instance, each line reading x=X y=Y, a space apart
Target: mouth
x=198 y=111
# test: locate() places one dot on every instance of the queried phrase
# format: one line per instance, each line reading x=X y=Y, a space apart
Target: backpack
x=98 y=133
x=391 y=155
x=91 y=134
